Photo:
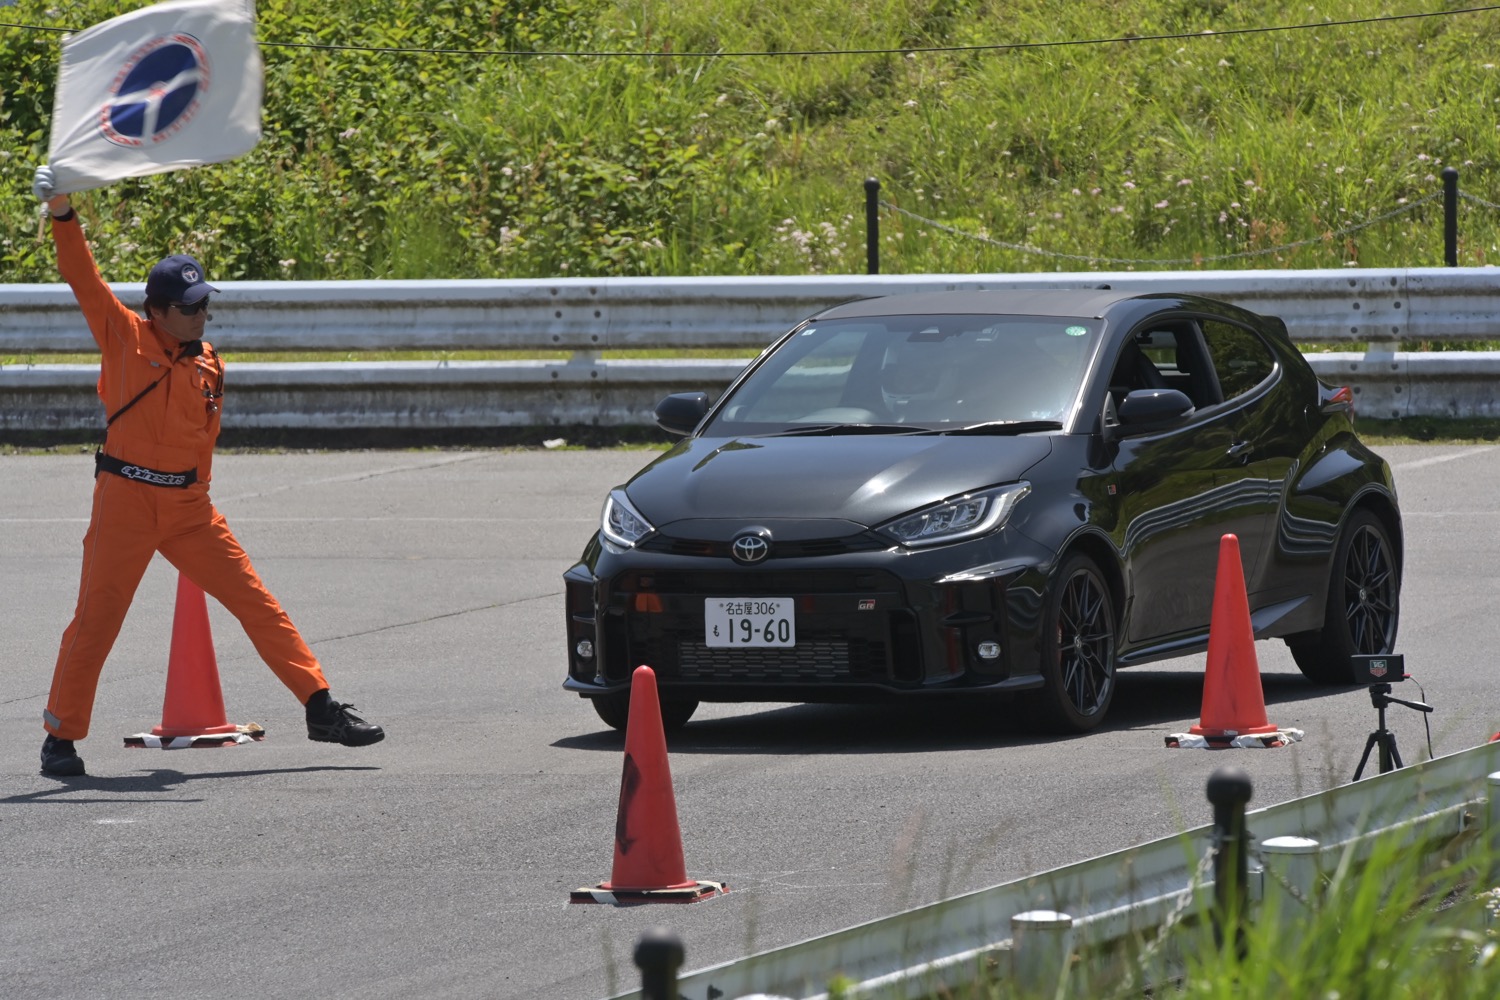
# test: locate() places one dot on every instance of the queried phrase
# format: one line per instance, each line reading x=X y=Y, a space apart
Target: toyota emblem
x=750 y=548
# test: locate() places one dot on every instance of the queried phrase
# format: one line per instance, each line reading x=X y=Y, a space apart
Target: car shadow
x=1169 y=701
x=148 y=783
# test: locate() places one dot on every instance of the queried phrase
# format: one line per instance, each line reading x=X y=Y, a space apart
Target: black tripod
x=1390 y=757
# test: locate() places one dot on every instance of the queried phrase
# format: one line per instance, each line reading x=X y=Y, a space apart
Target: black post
x=659 y=954
x=1229 y=791
x=872 y=226
x=1450 y=216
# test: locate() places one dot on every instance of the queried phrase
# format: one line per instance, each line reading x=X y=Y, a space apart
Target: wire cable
x=1091 y=259
x=808 y=53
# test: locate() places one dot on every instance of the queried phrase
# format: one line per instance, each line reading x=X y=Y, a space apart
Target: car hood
x=864 y=479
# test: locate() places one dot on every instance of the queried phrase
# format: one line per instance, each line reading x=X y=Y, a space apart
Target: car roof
x=1060 y=302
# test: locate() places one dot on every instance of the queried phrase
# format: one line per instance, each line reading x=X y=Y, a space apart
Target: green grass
x=1217 y=149
x=1386 y=928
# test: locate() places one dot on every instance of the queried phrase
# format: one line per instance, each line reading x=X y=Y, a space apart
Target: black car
x=974 y=492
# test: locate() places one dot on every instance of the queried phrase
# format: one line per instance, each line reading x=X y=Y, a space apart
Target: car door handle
x=1241 y=450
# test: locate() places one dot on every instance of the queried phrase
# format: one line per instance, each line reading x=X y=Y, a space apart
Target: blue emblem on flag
x=156 y=92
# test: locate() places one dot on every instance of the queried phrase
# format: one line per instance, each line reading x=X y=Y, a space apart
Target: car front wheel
x=614 y=709
x=1363 y=604
x=1078 y=649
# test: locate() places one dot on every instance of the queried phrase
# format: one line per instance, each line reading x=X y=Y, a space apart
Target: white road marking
x=1439 y=459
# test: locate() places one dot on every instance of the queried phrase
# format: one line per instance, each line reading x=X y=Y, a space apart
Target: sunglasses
x=190 y=310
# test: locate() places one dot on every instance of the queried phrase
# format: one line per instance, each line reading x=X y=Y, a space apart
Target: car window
x=926 y=371
x=1167 y=356
x=1241 y=359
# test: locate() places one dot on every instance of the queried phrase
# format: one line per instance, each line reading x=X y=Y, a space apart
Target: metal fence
x=1031 y=927
x=1370 y=312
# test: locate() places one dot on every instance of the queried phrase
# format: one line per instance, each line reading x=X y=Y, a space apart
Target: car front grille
x=815 y=662
x=836 y=643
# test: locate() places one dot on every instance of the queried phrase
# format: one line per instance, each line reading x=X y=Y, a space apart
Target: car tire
x=1363 y=609
x=614 y=710
x=1078 y=641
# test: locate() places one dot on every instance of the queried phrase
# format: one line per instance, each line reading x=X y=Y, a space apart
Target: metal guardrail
x=1130 y=893
x=1376 y=309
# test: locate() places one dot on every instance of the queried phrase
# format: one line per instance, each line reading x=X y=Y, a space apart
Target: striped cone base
x=249 y=733
x=1195 y=741
x=626 y=897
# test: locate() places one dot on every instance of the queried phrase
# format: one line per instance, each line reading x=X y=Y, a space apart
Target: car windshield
x=895 y=374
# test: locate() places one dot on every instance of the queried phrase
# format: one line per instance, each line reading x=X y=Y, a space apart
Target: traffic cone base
x=648 y=866
x=1234 y=705
x=193 y=708
x=690 y=893
x=249 y=733
x=1280 y=738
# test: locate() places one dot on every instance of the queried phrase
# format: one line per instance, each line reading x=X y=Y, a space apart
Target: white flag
x=162 y=88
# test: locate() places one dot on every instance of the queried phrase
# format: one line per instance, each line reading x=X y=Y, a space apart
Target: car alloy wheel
x=1078 y=648
x=1363 y=607
x=1370 y=592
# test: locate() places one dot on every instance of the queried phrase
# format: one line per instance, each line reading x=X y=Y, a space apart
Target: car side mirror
x=680 y=412
x=1153 y=406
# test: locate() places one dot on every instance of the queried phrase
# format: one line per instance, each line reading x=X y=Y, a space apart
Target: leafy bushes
x=468 y=147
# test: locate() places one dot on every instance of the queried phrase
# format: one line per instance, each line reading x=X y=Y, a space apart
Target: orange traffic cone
x=1233 y=702
x=193 y=708
x=648 y=865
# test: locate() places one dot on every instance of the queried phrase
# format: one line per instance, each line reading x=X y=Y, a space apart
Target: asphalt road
x=438 y=863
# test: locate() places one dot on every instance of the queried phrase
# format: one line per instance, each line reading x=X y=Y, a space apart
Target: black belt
x=141 y=474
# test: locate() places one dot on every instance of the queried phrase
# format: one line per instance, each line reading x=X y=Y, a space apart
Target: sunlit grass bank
x=449 y=139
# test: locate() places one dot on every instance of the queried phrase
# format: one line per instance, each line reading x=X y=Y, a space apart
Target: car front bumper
x=870 y=626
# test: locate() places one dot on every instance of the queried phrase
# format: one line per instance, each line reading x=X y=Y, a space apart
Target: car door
x=1266 y=436
x=1179 y=488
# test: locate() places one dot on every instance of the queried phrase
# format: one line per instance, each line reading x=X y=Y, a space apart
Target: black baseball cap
x=178 y=278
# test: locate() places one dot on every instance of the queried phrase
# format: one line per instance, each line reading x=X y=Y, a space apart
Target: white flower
x=909 y=104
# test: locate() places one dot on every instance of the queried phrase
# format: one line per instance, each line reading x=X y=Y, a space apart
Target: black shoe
x=59 y=758
x=330 y=722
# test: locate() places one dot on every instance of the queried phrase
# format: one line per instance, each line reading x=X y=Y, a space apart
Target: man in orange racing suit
x=161 y=386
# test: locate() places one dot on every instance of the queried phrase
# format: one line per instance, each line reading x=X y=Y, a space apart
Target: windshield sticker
x=1076 y=331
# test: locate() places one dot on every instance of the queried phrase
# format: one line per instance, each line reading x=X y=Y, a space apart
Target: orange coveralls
x=172 y=428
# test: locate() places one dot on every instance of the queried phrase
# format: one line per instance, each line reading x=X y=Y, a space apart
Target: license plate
x=737 y=622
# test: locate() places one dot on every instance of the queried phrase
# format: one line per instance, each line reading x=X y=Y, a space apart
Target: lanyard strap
x=138 y=397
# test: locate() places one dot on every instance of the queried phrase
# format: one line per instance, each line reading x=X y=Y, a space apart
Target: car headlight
x=621 y=523
x=963 y=517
